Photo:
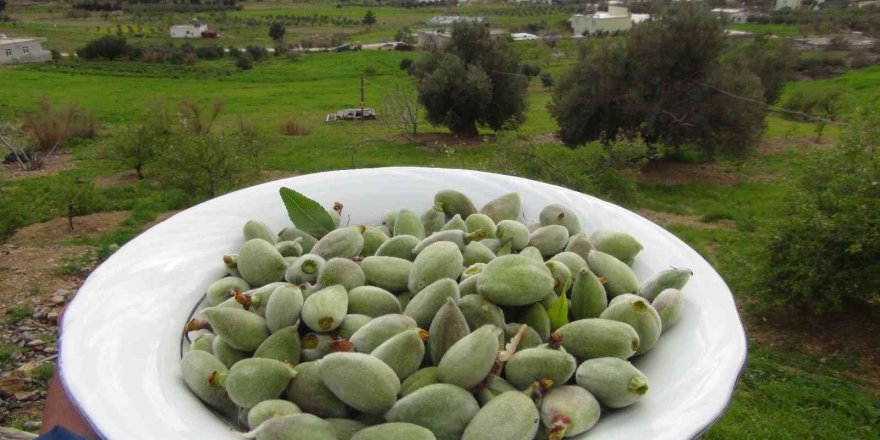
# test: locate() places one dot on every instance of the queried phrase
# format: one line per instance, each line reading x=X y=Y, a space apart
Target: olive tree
x=471 y=80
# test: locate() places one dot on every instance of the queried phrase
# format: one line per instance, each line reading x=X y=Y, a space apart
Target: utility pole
x=363 y=104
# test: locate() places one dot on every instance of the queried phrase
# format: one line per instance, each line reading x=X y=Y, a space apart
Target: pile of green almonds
x=455 y=324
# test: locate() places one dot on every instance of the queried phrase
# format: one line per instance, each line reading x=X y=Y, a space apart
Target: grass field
x=788 y=391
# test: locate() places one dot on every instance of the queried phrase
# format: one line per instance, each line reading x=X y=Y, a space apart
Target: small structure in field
x=351 y=114
x=17 y=50
x=439 y=37
x=616 y=19
x=449 y=20
x=195 y=29
x=523 y=36
x=734 y=15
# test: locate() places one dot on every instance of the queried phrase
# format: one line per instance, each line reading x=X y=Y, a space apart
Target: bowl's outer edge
x=79 y=391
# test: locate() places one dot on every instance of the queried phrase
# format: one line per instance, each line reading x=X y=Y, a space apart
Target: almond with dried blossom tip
x=510 y=416
x=218 y=290
x=241 y=329
x=197 y=367
x=325 y=309
x=259 y=263
x=454 y=203
x=557 y=214
x=569 y=410
x=341 y=243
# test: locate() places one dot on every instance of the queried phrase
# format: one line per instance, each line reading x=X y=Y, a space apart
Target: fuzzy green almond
x=400 y=246
x=557 y=214
x=480 y=222
x=621 y=245
x=346 y=428
x=514 y=280
x=363 y=382
x=437 y=261
x=257 y=229
x=325 y=309
x=409 y=223
x=307 y=241
x=374 y=237
x=448 y=327
x=390 y=273
x=442 y=408
x=588 y=297
x=669 y=304
x=510 y=416
x=469 y=361
x=455 y=223
x=550 y=239
x=539 y=363
x=284 y=345
x=597 y=337
x=226 y=353
x=506 y=207
x=372 y=301
x=218 y=290
x=454 y=203
x=395 y=431
x=619 y=278
x=375 y=332
x=251 y=381
x=283 y=307
x=404 y=352
x=514 y=232
x=308 y=392
x=241 y=329
x=203 y=342
x=421 y=378
x=305 y=269
x=433 y=219
x=615 y=382
x=268 y=409
x=569 y=410
x=351 y=324
x=424 y=305
x=197 y=367
x=294 y=427
x=259 y=263
x=674 y=278
x=342 y=271
x=340 y=243
x=641 y=316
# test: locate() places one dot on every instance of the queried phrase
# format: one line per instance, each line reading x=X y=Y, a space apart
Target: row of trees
x=676 y=80
x=188 y=149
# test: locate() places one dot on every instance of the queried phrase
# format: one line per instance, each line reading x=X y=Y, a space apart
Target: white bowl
x=120 y=341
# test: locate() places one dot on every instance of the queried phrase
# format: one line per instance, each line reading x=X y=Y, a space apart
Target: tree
x=401 y=109
x=195 y=120
x=405 y=35
x=473 y=80
x=245 y=61
x=76 y=197
x=276 y=31
x=369 y=18
x=669 y=81
x=2 y=5
x=204 y=163
x=140 y=144
x=107 y=47
x=772 y=60
x=824 y=252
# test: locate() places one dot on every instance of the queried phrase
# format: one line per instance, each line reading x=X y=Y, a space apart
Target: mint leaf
x=306 y=214
x=558 y=312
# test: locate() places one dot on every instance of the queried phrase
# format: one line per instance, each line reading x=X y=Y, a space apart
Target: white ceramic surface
x=120 y=342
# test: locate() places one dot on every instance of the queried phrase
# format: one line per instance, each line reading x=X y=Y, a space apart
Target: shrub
x=245 y=61
x=294 y=55
x=291 y=127
x=107 y=47
x=825 y=253
x=405 y=64
x=530 y=70
x=547 y=80
x=276 y=31
x=76 y=197
x=258 y=53
x=211 y=52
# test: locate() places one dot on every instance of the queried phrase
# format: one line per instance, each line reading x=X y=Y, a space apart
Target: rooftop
x=17 y=40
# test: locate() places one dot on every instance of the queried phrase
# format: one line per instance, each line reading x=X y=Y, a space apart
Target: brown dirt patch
x=778 y=145
x=847 y=338
x=667 y=218
x=119 y=179
x=56 y=230
x=543 y=138
x=54 y=164
x=677 y=173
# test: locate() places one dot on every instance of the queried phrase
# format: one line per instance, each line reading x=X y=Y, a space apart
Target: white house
x=794 y=4
x=192 y=30
x=523 y=36
x=15 y=50
x=616 y=19
x=734 y=15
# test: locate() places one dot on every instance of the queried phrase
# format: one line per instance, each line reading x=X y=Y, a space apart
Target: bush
x=530 y=70
x=825 y=253
x=293 y=55
x=211 y=52
x=606 y=169
x=276 y=31
x=245 y=61
x=547 y=80
x=108 y=47
x=405 y=64
x=258 y=53
x=290 y=127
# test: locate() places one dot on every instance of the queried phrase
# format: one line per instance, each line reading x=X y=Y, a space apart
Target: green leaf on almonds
x=306 y=214
x=558 y=313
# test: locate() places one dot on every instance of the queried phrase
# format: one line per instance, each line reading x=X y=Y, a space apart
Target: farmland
x=807 y=376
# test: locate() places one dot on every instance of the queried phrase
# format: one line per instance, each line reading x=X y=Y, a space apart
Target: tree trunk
x=140 y=171
x=467 y=130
